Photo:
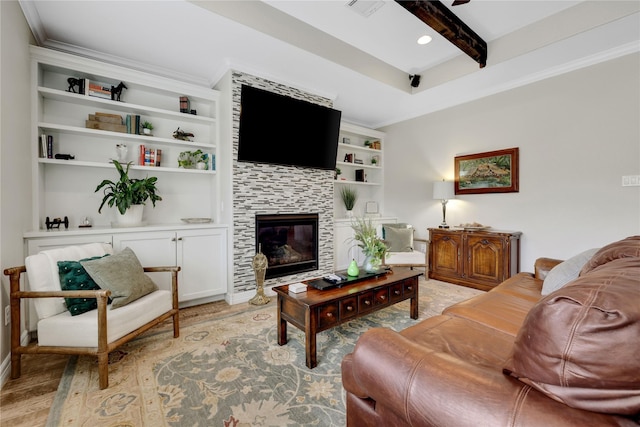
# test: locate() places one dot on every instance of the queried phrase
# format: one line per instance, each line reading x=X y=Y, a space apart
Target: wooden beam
x=436 y=15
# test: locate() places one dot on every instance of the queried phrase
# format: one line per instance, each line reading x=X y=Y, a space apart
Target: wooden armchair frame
x=104 y=348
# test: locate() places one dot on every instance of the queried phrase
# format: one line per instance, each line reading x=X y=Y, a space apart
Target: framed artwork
x=490 y=172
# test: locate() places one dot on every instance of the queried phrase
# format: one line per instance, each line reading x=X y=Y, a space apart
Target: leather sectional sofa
x=512 y=356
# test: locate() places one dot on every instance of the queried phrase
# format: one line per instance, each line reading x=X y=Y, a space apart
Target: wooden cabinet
x=478 y=259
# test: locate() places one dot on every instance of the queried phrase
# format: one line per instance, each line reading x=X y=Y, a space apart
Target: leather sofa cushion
x=579 y=345
x=625 y=248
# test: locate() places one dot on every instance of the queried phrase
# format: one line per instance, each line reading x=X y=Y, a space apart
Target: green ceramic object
x=353 y=269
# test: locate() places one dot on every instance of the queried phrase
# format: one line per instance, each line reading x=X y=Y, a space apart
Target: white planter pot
x=132 y=217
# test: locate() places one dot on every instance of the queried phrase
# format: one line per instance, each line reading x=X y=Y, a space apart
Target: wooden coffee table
x=314 y=311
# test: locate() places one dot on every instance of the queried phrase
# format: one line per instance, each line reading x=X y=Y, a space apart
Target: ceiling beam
x=438 y=16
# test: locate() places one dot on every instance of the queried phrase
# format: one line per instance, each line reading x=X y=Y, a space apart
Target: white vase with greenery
x=374 y=249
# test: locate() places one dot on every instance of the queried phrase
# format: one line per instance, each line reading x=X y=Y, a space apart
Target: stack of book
x=99 y=90
x=149 y=156
x=132 y=122
x=106 y=121
x=46 y=146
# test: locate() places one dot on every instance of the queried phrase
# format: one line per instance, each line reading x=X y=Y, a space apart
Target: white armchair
x=404 y=249
x=137 y=303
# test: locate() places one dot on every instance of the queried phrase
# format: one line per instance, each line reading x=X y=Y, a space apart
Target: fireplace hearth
x=289 y=241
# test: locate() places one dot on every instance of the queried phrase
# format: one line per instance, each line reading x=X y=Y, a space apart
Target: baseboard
x=5 y=367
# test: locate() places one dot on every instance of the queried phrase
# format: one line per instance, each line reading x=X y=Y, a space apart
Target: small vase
x=350 y=213
x=353 y=269
x=372 y=264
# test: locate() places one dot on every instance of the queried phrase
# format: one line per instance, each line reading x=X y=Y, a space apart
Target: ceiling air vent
x=365 y=8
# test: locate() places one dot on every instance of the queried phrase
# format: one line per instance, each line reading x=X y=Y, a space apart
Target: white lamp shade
x=443 y=190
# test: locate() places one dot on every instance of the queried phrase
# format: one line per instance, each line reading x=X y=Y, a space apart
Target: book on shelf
x=46 y=146
x=100 y=90
x=49 y=146
x=132 y=123
x=141 y=155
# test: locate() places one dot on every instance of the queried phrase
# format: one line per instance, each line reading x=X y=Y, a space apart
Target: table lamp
x=443 y=191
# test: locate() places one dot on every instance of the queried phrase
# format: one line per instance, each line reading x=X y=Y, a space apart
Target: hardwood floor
x=26 y=401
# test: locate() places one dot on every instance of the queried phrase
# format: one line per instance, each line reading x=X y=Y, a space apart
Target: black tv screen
x=278 y=129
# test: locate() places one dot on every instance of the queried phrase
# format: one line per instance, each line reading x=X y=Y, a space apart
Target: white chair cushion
x=42 y=272
x=413 y=257
x=64 y=330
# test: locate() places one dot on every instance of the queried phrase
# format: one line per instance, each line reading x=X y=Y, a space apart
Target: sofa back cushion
x=580 y=344
x=42 y=272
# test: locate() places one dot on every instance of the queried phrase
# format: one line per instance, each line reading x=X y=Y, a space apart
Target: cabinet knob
x=367 y=302
x=329 y=314
x=383 y=297
x=349 y=308
x=484 y=241
x=410 y=288
x=397 y=292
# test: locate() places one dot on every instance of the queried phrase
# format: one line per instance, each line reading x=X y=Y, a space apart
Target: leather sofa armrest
x=544 y=265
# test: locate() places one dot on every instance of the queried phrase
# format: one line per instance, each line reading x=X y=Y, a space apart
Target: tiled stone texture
x=275 y=189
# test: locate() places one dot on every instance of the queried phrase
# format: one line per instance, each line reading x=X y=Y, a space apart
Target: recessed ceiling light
x=424 y=39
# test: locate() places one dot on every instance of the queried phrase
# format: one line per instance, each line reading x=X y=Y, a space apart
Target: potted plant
x=128 y=195
x=147 y=127
x=372 y=246
x=337 y=174
x=349 y=197
x=193 y=160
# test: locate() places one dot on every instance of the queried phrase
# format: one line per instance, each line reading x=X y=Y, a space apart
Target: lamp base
x=443 y=226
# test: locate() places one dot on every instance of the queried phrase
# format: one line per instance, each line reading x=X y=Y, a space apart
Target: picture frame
x=488 y=172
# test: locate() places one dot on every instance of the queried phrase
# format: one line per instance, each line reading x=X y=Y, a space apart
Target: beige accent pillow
x=399 y=239
x=123 y=275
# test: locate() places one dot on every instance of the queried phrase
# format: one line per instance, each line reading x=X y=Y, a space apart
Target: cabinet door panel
x=153 y=249
x=202 y=256
x=485 y=259
x=445 y=255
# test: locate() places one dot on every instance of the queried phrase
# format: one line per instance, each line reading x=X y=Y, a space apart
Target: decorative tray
x=474 y=226
x=196 y=220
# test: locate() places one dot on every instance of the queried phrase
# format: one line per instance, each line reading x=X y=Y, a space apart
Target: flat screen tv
x=278 y=129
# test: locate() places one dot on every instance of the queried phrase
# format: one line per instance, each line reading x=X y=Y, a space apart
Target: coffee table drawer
x=381 y=296
x=409 y=287
x=328 y=315
x=365 y=302
x=395 y=293
x=348 y=308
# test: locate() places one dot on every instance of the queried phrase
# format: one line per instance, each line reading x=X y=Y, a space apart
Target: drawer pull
x=409 y=288
x=367 y=302
x=329 y=314
x=349 y=308
x=397 y=292
x=484 y=241
x=382 y=297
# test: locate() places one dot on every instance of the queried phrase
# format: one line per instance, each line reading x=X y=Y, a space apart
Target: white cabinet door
x=202 y=256
x=153 y=249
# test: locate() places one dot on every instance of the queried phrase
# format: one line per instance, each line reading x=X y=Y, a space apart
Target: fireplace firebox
x=289 y=241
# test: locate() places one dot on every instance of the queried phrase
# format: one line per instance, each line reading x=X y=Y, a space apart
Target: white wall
x=578 y=134
x=15 y=167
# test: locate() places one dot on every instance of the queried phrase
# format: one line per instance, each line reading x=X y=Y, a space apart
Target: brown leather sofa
x=512 y=357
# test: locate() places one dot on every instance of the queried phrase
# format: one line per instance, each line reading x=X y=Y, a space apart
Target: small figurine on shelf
x=182 y=135
x=73 y=82
x=116 y=91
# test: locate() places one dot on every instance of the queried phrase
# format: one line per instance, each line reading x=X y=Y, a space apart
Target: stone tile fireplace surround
x=273 y=189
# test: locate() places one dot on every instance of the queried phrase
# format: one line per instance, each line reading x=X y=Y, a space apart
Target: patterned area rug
x=228 y=372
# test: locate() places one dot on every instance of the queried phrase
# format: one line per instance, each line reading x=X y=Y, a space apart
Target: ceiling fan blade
x=459 y=2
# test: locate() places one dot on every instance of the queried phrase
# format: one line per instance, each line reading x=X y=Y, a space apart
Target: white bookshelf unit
x=370 y=185
x=66 y=188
